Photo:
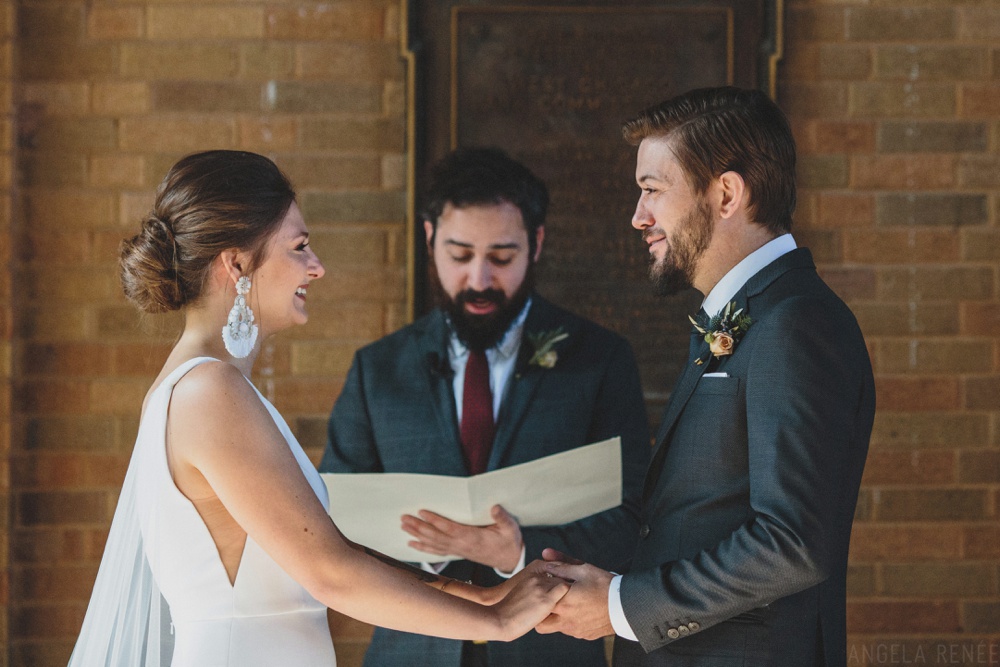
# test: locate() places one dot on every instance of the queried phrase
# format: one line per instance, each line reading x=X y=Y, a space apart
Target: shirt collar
x=733 y=282
x=508 y=345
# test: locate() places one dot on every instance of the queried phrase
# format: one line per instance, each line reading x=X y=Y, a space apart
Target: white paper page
x=551 y=490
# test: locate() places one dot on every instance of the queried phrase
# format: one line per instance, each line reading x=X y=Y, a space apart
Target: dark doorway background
x=551 y=84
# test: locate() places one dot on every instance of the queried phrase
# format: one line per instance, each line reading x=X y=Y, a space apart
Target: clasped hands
x=581 y=613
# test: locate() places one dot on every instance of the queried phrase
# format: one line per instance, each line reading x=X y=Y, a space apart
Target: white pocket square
x=715 y=375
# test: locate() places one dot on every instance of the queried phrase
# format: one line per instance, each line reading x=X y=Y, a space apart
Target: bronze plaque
x=551 y=85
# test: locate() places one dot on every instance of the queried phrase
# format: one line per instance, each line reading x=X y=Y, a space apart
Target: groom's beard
x=481 y=332
x=675 y=271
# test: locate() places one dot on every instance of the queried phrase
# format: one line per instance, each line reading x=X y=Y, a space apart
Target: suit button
x=643 y=531
x=694 y=626
x=683 y=630
x=673 y=633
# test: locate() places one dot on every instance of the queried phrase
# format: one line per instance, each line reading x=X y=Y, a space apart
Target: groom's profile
x=749 y=499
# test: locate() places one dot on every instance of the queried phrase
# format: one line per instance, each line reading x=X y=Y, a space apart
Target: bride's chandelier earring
x=240 y=333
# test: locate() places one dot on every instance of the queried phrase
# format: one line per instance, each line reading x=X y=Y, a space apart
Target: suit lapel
x=436 y=367
x=678 y=399
x=523 y=384
x=799 y=258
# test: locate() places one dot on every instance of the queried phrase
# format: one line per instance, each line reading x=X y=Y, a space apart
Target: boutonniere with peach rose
x=545 y=355
x=723 y=331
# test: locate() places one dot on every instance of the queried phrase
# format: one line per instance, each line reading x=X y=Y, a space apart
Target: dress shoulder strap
x=182 y=370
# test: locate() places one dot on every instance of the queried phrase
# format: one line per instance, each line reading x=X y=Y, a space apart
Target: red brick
x=48 y=584
x=62 y=507
x=267 y=133
x=904 y=172
x=813 y=100
x=916 y=393
x=194 y=22
x=846 y=210
x=939 y=504
x=906 y=617
x=143 y=360
x=904 y=100
x=980 y=317
x=909 y=468
x=339 y=22
x=839 y=136
x=945 y=580
x=304 y=396
x=901 y=246
x=48 y=622
x=982 y=393
x=815 y=24
x=934 y=356
x=66 y=359
x=115 y=23
x=46 y=472
x=980 y=100
x=850 y=283
x=935 y=283
x=51 y=397
x=879 y=542
x=980 y=466
x=980 y=23
x=981 y=542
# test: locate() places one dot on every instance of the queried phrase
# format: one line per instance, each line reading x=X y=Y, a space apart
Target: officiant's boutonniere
x=544 y=342
x=723 y=331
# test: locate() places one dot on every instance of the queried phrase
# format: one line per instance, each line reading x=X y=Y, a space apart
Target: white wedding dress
x=264 y=619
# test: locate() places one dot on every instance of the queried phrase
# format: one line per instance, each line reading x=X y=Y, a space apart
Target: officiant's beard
x=481 y=332
x=676 y=270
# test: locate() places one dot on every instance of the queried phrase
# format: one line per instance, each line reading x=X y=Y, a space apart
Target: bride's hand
x=531 y=597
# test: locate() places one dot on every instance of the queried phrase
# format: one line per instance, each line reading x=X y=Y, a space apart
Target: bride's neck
x=202 y=337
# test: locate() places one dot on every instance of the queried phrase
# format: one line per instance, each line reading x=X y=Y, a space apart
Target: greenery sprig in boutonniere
x=544 y=342
x=723 y=331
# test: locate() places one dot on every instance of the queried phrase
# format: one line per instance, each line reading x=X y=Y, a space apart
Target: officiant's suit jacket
x=397 y=413
x=748 y=503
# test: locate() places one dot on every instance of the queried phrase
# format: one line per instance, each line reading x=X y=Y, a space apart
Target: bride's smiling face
x=281 y=282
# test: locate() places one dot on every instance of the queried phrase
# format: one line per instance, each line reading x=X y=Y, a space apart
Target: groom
x=748 y=502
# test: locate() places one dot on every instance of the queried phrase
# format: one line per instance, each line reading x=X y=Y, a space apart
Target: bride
x=221 y=514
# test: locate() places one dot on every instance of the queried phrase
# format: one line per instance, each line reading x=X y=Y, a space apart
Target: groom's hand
x=497 y=545
x=583 y=611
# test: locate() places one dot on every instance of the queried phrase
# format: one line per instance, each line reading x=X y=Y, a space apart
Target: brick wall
x=895 y=106
x=111 y=94
x=7 y=69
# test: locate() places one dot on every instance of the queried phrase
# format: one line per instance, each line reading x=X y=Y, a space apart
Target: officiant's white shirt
x=717 y=299
x=501 y=359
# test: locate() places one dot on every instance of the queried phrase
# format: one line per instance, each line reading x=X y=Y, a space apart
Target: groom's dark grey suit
x=397 y=414
x=748 y=503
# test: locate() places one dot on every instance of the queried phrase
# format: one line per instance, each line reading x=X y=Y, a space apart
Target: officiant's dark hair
x=715 y=130
x=207 y=203
x=486 y=177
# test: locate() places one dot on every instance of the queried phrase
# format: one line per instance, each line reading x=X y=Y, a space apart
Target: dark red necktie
x=477 y=413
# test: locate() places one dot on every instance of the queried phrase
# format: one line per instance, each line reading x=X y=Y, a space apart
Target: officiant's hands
x=583 y=611
x=497 y=545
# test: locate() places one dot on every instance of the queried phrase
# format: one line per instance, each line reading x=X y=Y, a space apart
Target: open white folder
x=548 y=491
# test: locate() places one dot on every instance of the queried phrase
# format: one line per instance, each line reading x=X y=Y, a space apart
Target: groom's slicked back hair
x=486 y=177
x=715 y=130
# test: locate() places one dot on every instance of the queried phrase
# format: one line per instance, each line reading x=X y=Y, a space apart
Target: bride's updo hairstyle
x=207 y=203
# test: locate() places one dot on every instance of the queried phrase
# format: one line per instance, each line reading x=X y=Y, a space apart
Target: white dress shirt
x=717 y=299
x=501 y=358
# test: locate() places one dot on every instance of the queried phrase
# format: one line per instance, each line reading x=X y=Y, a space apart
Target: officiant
x=494 y=376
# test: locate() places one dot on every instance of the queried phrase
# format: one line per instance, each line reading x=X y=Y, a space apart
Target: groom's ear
x=732 y=194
